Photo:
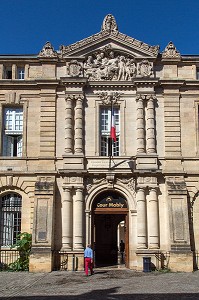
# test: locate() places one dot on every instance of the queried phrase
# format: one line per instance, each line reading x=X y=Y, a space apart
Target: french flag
x=113 y=129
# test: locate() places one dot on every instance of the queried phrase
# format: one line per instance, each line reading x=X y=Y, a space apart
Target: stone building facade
x=66 y=181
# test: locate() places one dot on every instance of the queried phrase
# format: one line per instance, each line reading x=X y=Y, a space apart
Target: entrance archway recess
x=109 y=211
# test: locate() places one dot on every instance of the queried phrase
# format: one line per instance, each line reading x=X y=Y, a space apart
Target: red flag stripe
x=113 y=129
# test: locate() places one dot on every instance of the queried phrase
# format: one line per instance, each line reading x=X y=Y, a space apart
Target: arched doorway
x=110 y=226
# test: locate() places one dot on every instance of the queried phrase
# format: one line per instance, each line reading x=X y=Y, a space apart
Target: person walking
x=88 y=258
x=122 y=249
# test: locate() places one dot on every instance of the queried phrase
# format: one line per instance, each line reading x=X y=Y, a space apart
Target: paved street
x=104 y=284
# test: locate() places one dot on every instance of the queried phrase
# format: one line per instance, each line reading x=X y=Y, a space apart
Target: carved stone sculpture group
x=107 y=65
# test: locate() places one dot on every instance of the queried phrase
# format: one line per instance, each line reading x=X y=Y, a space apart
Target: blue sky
x=25 y=25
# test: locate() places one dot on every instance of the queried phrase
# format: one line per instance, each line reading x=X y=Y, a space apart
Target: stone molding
x=110 y=180
x=176 y=185
x=115 y=35
x=72 y=181
x=129 y=182
x=44 y=185
x=147 y=181
x=17 y=183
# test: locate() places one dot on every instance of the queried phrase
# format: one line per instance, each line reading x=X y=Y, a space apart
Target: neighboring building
x=65 y=180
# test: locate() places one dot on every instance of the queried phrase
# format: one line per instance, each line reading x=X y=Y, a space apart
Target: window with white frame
x=109 y=147
x=10 y=216
x=20 y=73
x=13 y=132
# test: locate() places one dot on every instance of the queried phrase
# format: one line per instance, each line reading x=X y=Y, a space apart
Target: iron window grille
x=10 y=215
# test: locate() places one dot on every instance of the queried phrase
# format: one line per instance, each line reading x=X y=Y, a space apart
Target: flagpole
x=111 y=143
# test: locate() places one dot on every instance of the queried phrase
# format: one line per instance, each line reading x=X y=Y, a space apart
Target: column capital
x=79 y=188
x=151 y=97
x=67 y=188
x=141 y=188
x=148 y=97
x=153 y=188
x=140 y=97
x=74 y=97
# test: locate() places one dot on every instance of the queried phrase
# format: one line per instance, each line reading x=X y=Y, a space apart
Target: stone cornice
x=172 y=82
x=111 y=84
x=73 y=80
x=146 y=81
x=50 y=83
x=17 y=82
x=115 y=36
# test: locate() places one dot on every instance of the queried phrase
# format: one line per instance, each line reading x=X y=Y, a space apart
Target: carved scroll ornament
x=109 y=97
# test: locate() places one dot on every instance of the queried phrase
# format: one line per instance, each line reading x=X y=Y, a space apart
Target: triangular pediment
x=110 y=36
x=109 y=55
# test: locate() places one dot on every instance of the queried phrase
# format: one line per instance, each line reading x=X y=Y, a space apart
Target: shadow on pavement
x=109 y=294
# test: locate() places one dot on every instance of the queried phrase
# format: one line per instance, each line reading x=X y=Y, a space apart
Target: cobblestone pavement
x=104 y=284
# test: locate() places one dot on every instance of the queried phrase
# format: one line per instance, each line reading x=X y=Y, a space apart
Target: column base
x=154 y=246
x=140 y=247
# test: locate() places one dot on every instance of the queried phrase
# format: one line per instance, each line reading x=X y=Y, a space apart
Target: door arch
x=109 y=209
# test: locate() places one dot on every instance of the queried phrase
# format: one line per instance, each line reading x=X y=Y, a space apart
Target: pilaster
x=43 y=235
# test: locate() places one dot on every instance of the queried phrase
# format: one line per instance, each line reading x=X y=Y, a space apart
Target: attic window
x=8 y=73
x=197 y=73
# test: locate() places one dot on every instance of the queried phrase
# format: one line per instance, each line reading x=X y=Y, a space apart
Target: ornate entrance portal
x=110 y=227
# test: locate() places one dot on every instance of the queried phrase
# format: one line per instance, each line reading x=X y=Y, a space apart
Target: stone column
x=150 y=126
x=78 y=220
x=153 y=219
x=67 y=219
x=78 y=125
x=141 y=219
x=88 y=227
x=140 y=125
x=69 y=125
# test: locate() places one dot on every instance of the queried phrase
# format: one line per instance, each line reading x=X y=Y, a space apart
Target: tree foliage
x=23 y=245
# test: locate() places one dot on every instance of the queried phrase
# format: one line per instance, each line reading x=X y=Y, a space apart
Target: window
x=20 y=73
x=10 y=216
x=13 y=132
x=108 y=147
x=8 y=72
